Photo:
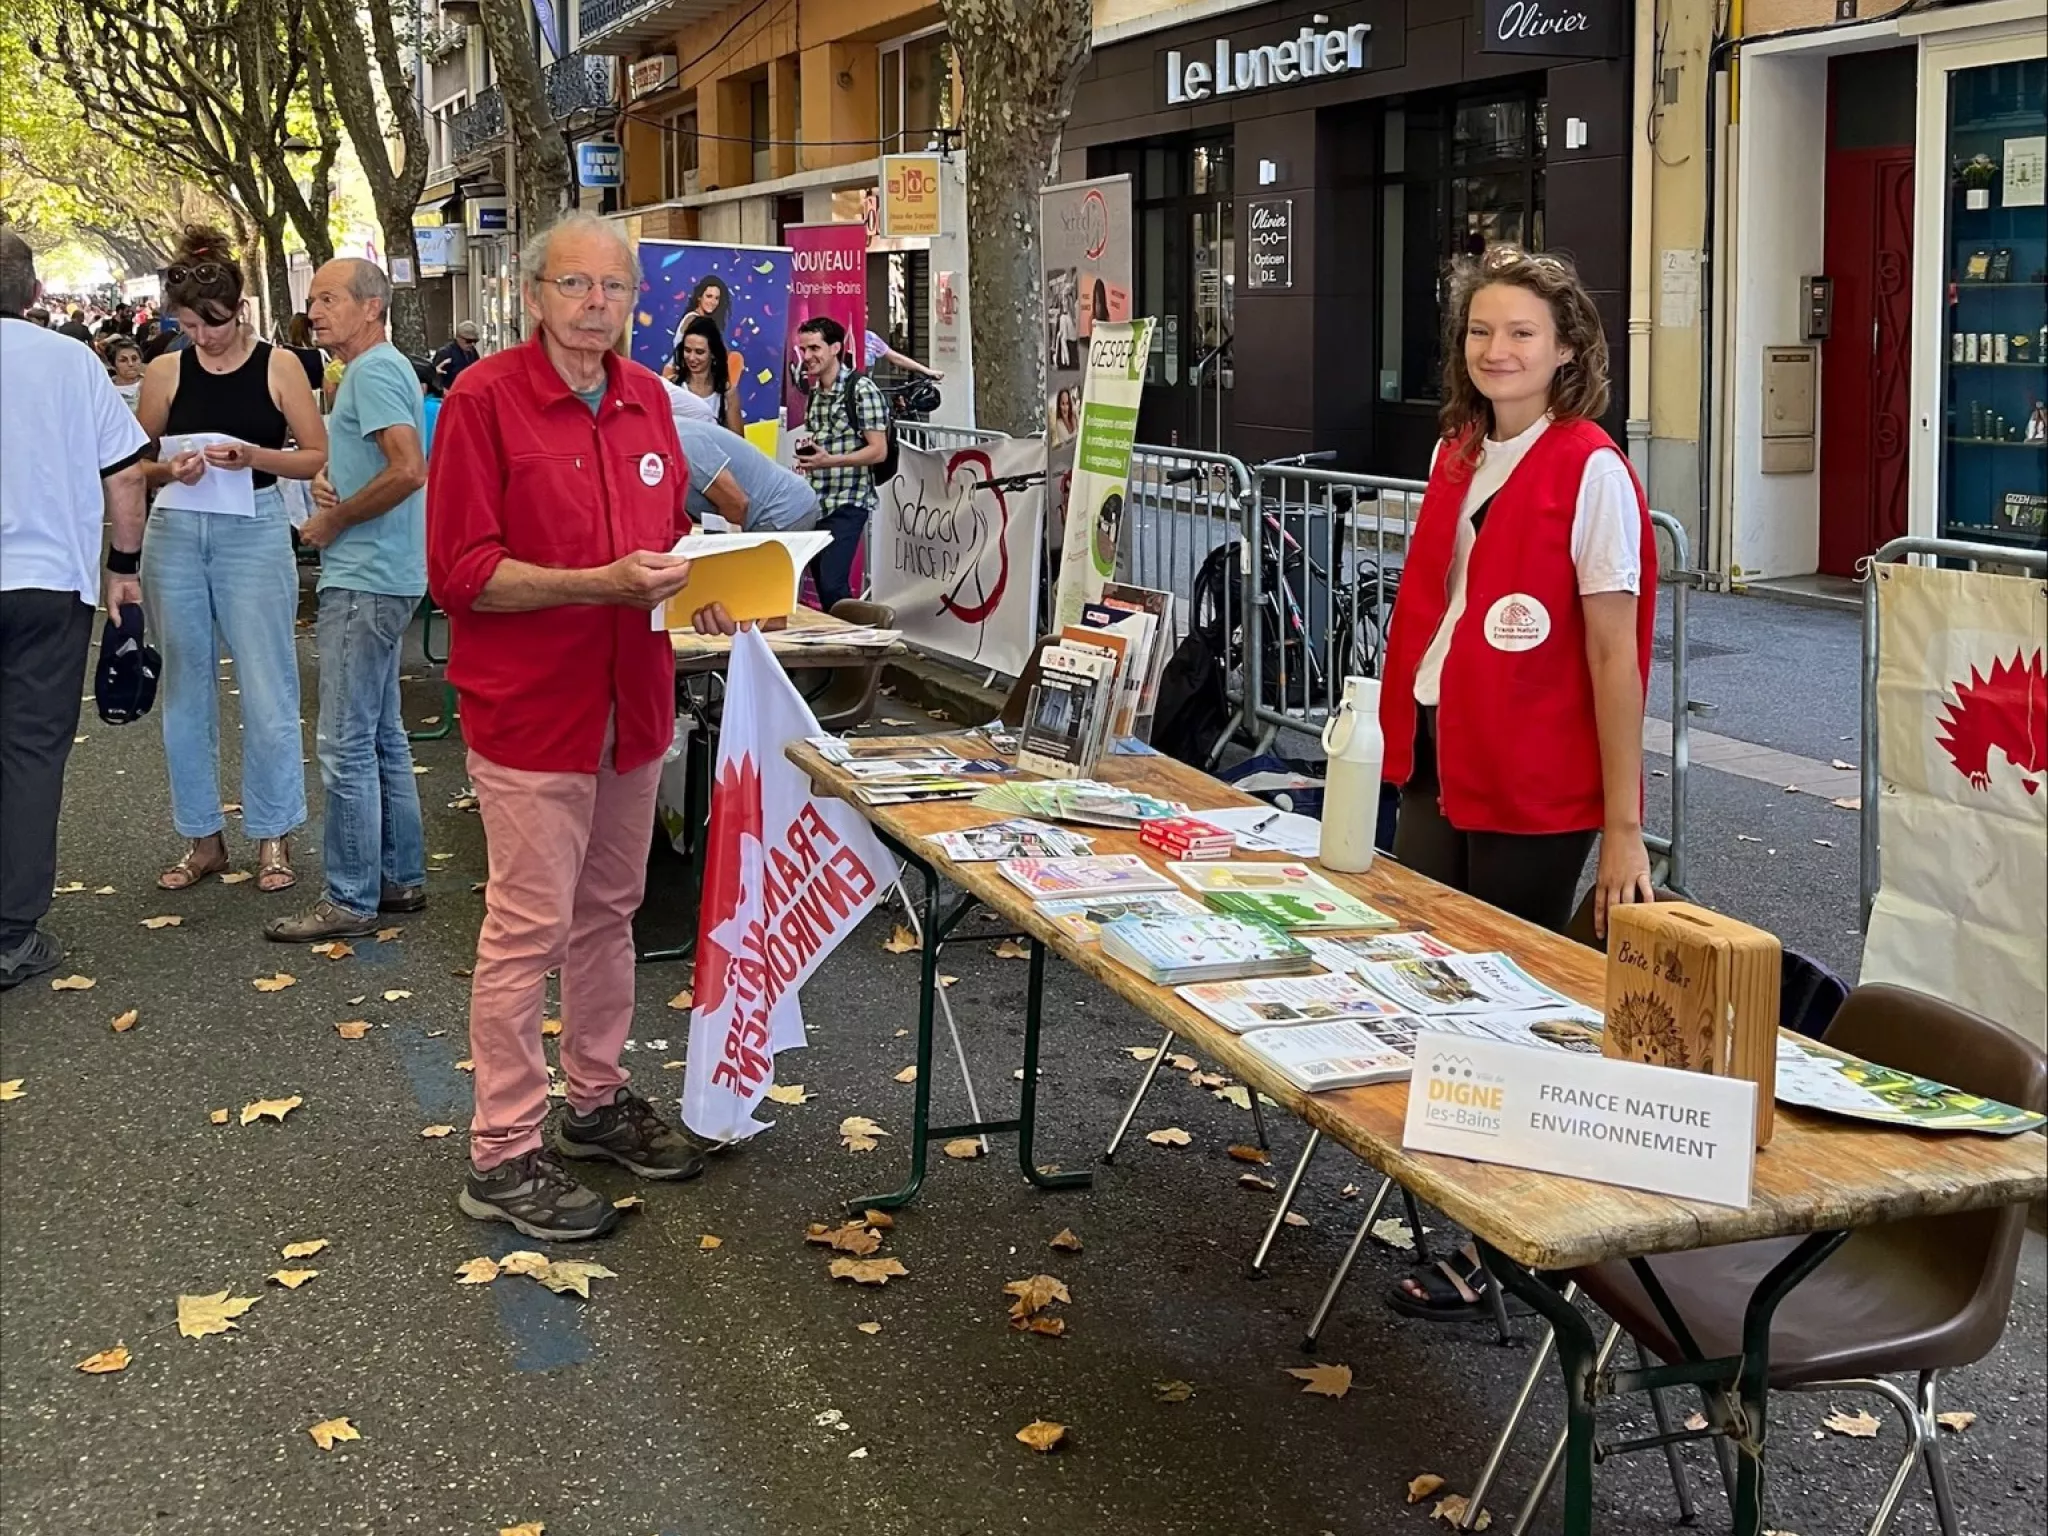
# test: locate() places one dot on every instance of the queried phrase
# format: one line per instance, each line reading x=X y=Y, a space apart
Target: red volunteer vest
x=1518 y=749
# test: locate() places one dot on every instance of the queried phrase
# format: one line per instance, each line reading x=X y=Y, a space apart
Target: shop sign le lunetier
x=1228 y=67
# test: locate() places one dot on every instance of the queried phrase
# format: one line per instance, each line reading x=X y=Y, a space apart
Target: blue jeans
x=374 y=837
x=833 y=569
x=210 y=581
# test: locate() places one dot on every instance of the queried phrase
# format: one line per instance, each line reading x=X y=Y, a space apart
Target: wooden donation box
x=1693 y=989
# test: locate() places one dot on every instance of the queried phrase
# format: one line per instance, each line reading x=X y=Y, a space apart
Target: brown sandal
x=274 y=865
x=203 y=856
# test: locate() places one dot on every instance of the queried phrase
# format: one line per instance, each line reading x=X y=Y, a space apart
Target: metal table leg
x=1576 y=1353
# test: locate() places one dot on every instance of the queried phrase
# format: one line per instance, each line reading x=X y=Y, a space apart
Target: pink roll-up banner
x=828 y=276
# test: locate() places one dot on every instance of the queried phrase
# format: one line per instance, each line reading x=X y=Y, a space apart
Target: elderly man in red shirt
x=555 y=490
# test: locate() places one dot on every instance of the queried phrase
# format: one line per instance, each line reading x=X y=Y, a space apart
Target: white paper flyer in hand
x=1271 y=1001
x=1345 y=1054
x=753 y=575
x=226 y=492
x=1354 y=951
x=1459 y=984
x=1566 y=1027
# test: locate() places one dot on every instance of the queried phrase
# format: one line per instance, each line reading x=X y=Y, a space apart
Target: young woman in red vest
x=1512 y=696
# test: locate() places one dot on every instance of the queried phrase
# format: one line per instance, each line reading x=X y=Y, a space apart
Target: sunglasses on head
x=205 y=273
x=1502 y=257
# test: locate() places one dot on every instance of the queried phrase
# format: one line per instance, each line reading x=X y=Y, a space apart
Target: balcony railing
x=614 y=26
x=479 y=125
x=595 y=15
x=580 y=83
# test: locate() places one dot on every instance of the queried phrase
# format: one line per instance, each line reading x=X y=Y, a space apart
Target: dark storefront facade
x=1292 y=231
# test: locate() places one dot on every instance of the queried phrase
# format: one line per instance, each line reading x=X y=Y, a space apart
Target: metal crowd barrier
x=2033 y=561
x=1319 y=590
x=934 y=438
x=1182 y=508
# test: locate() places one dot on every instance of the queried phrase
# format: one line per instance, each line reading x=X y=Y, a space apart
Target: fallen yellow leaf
x=628 y=1203
x=870 y=1328
x=857 y=1133
x=236 y=877
x=1035 y=1294
x=73 y=984
x=291 y=1279
x=1141 y=1052
x=386 y=935
x=481 y=1270
x=353 y=1029
x=789 y=1093
x=908 y=1074
x=276 y=1109
x=1171 y=1136
x=304 y=1250
x=154 y=923
x=881 y=1221
x=436 y=1132
x=334 y=949
x=199 y=1316
x=1860 y=1425
x=523 y=1261
x=1066 y=1241
x=963 y=1147
x=1051 y=1327
x=677 y=1066
x=1208 y=1079
x=1451 y=1510
x=853 y=1237
x=1958 y=1421
x=1420 y=1488
x=549 y=1028
x=123 y=1022
x=1257 y=1181
x=565 y=1275
x=467 y=1064
x=683 y=1001
x=865 y=1271
x=525 y=1528
x=12 y=1089
x=1245 y=1154
x=708 y=1241
x=1042 y=1434
x=1295 y=1219
x=900 y=942
x=106 y=1361
x=1172 y=1391
x=396 y=995
x=1323 y=1380
x=275 y=983
x=1181 y=1063
x=218 y=1116
x=946 y=981
x=1010 y=949
x=328 y=1431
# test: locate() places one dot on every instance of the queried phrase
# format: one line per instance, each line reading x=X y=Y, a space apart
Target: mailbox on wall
x=1789 y=390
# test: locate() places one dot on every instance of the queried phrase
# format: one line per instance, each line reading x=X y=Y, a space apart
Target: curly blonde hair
x=1580 y=386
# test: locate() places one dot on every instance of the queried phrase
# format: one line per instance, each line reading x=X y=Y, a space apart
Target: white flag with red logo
x=1962 y=710
x=786 y=877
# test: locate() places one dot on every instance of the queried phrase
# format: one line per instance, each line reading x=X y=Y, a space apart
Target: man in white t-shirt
x=69 y=448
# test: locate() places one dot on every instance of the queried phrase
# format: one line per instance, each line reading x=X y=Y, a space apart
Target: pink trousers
x=568 y=866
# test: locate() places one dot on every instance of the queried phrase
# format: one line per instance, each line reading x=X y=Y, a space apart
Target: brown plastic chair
x=1927 y=1295
x=848 y=696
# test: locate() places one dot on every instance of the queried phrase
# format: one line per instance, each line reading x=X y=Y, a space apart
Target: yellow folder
x=754 y=575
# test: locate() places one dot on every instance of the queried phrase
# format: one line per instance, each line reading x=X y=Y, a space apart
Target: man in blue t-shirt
x=732 y=479
x=370 y=526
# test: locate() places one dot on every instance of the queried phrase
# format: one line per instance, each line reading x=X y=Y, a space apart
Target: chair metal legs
x=1918 y=1438
x=1308 y=1151
x=1937 y=1463
x=1144 y=1087
x=1372 y=1214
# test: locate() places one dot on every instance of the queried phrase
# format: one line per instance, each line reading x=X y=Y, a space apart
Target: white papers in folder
x=229 y=492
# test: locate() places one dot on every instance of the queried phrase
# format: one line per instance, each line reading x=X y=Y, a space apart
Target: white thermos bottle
x=1351 y=793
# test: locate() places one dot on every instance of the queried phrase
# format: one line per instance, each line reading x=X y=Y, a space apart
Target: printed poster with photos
x=1085 y=267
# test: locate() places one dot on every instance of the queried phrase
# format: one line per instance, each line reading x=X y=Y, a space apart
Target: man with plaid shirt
x=839 y=456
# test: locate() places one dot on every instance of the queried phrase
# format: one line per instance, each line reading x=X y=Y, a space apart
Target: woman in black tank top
x=221 y=577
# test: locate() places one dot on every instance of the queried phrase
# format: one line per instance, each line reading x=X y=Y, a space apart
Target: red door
x=1866 y=362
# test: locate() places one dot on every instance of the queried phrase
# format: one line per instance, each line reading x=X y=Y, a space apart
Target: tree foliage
x=539 y=151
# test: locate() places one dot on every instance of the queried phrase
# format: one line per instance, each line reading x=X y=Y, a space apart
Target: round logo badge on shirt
x=651 y=469
x=1517 y=622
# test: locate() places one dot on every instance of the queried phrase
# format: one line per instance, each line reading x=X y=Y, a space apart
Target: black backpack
x=1193 y=712
x=885 y=471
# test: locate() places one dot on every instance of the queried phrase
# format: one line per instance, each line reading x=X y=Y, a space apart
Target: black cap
x=124 y=683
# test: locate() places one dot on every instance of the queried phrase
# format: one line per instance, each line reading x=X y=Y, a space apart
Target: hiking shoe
x=631 y=1134
x=36 y=953
x=325 y=921
x=403 y=898
x=534 y=1194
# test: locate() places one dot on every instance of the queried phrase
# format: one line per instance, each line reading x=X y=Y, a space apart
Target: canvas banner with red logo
x=958 y=558
x=1962 y=711
x=786 y=877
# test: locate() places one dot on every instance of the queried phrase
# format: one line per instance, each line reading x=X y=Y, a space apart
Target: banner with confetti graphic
x=744 y=289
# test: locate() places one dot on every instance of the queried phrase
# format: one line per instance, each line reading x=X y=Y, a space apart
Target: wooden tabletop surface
x=1821 y=1172
x=706 y=653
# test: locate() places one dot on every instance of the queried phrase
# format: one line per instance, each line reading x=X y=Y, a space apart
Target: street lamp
x=297 y=144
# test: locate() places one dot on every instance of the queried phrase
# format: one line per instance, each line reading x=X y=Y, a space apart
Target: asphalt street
x=731 y=1389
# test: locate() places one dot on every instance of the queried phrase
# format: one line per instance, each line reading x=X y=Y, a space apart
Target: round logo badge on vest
x=1517 y=622
x=651 y=469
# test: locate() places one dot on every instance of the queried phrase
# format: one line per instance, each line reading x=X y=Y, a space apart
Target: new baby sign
x=1588 y=1117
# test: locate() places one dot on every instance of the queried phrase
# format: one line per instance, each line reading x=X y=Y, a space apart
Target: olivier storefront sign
x=1228 y=67
x=1579 y=28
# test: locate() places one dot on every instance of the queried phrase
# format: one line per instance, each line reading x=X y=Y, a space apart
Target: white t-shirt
x=685 y=404
x=62 y=426
x=1606 y=537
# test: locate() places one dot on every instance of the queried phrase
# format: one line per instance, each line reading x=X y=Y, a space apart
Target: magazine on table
x=1354 y=951
x=1291 y=895
x=1567 y=1027
x=1170 y=950
x=1085 y=916
x=1084 y=800
x=915 y=791
x=1271 y=1001
x=850 y=749
x=875 y=769
x=1490 y=983
x=1813 y=1076
x=1020 y=838
x=1105 y=874
x=1345 y=1054
x=1069 y=711
x=1119 y=596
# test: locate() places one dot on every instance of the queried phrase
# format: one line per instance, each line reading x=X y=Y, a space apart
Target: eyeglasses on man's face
x=577 y=285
